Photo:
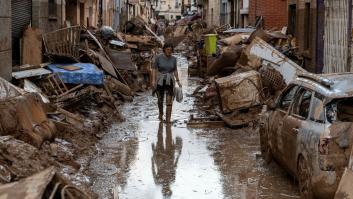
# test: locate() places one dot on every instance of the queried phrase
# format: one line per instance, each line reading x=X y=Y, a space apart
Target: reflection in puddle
x=165 y=159
x=153 y=160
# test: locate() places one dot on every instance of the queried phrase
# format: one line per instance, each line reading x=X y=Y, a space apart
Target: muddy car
x=309 y=131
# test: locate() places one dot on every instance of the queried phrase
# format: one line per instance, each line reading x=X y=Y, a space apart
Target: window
x=287 y=98
x=301 y=106
x=340 y=110
x=52 y=9
x=317 y=113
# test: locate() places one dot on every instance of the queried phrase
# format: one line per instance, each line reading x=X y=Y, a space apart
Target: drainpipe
x=62 y=14
x=349 y=34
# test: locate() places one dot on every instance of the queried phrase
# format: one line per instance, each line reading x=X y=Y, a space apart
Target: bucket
x=211 y=44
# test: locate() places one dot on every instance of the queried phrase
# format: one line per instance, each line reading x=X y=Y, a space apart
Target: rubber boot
x=160 y=107
x=169 y=103
x=169 y=113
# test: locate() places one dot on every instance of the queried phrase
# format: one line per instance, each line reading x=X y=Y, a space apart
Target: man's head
x=168 y=49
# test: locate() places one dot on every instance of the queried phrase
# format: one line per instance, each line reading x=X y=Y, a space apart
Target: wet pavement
x=143 y=158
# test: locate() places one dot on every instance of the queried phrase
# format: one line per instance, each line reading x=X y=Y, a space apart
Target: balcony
x=244 y=11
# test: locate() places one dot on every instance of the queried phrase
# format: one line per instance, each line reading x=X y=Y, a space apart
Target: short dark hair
x=168 y=45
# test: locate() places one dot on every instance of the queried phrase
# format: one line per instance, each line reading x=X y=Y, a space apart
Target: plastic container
x=87 y=74
x=211 y=44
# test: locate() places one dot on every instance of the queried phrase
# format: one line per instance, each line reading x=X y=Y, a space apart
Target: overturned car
x=309 y=131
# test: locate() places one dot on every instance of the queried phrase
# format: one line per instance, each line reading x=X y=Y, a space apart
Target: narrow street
x=143 y=158
x=262 y=90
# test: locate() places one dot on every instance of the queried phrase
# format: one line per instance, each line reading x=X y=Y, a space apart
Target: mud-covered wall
x=47 y=20
x=5 y=39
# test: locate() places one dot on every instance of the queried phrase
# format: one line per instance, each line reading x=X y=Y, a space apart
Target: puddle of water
x=142 y=158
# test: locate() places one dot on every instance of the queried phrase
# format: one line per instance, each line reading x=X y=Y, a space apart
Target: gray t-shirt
x=165 y=64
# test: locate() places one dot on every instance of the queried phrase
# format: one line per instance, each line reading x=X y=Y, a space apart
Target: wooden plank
x=30 y=73
x=147 y=40
x=32 y=46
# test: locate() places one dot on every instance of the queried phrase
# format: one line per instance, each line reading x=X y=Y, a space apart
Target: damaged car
x=309 y=131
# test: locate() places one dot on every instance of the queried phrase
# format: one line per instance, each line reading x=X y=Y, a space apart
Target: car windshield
x=340 y=110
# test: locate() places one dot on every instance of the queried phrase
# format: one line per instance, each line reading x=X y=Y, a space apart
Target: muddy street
x=143 y=158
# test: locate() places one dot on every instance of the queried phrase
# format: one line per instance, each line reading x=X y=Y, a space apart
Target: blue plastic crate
x=88 y=74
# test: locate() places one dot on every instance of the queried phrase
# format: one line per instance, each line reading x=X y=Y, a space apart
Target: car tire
x=304 y=179
x=265 y=146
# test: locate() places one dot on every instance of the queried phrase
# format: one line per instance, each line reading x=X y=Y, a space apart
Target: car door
x=293 y=125
x=276 y=120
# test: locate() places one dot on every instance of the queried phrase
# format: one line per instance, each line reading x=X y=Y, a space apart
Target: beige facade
x=211 y=12
x=170 y=9
x=5 y=39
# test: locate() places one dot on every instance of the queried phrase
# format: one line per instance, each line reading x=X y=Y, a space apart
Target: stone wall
x=5 y=40
x=42 y=19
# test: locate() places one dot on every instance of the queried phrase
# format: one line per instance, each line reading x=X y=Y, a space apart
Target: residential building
x=225 y=12
x=46 y=15
x=337 y=36
x=243 y=12
x=302 y=24
x=211 y=12
x=170 y=9
x=221 y=12
x=273 y=13
x=5 y=40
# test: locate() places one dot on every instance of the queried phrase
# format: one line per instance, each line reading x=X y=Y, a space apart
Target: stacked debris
x=57 y=109
x=143 y=45
x=248 y=68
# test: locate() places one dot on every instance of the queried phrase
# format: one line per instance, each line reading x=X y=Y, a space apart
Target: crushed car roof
x=341 y=84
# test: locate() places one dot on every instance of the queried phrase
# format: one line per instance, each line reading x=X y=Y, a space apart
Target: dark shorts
x=165 y=89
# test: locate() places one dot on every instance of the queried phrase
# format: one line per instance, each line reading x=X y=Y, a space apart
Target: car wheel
x=304 y=179
x=264 y=146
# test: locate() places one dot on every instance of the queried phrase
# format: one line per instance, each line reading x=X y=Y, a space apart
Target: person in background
x=165 y=74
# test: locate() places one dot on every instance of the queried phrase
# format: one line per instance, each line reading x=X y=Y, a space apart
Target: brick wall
x=274 y=12
x=5 y=40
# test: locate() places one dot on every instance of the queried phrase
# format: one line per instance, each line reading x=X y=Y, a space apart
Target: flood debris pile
x=242 y=70
x=53 y=113
x=143 y=44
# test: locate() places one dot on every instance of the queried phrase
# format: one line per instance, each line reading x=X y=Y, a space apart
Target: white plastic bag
x=178 y=93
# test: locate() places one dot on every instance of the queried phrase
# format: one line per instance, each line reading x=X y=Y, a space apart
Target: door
x=294 y=125
x=277 y=123
x=21 y=15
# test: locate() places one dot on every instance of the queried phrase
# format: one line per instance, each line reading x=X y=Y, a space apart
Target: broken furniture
x=45 y=184
x=87 y=74
x=63 y=43
x=205 y=122
x=239 y=91
x=276 y=59
x=22 y=115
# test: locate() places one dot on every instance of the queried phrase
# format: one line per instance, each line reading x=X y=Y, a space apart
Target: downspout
x=62 y=14
x=349 y=34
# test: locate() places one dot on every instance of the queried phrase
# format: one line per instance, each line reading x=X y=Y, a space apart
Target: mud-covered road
x=144 y=159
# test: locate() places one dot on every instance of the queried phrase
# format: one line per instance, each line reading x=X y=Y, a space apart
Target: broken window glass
x=317 y=113
x=340 y=110
x=287 y=98
x=301 y=106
